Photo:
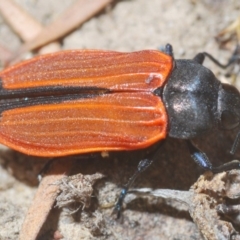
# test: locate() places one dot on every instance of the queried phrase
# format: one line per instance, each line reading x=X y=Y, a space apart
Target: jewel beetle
x=84 y=101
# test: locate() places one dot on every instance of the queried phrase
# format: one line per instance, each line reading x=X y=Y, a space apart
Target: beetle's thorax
x=191 y=100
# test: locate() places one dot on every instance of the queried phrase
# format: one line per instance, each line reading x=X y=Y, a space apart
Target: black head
x=229 y=110
x=228 y=107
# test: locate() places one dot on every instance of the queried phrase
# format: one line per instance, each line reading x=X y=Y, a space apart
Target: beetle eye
x=229 y=120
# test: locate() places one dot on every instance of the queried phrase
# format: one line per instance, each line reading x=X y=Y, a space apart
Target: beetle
x=84 y=101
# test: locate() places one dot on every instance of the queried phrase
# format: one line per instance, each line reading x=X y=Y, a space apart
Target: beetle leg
x=235 y=144
x=199 y=157
x=235 y=164
x=45 y=168
x=169 y=50
x=199 y=58
x=202 y=160
x=233 y=59
x=50 y=162
x=142 y=166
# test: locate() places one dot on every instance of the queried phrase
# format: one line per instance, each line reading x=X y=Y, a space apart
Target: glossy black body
x=196 y=101
x=190 y=97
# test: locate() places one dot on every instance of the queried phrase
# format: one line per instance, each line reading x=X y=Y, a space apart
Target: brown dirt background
x=190 y=26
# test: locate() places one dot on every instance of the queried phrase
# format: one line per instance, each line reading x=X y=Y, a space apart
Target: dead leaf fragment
x=75 y=15
x=44 y=200
x=203 y=201
x=76 y=189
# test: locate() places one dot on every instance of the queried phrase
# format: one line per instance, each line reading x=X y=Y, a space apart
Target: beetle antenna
x=235 y=144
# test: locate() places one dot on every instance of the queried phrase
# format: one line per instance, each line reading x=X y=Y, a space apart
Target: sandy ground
x=190 y=26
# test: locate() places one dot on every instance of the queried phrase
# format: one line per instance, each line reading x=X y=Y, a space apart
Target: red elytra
x=82 y=101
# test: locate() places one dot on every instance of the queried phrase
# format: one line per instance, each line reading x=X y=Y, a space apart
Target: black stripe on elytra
x=11 y=99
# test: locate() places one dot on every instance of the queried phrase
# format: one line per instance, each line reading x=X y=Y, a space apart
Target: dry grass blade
x=228 y=34
x=20 y=21
x=75 y=15
x=233 y=28
x=44 y=200
x=24 y=25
